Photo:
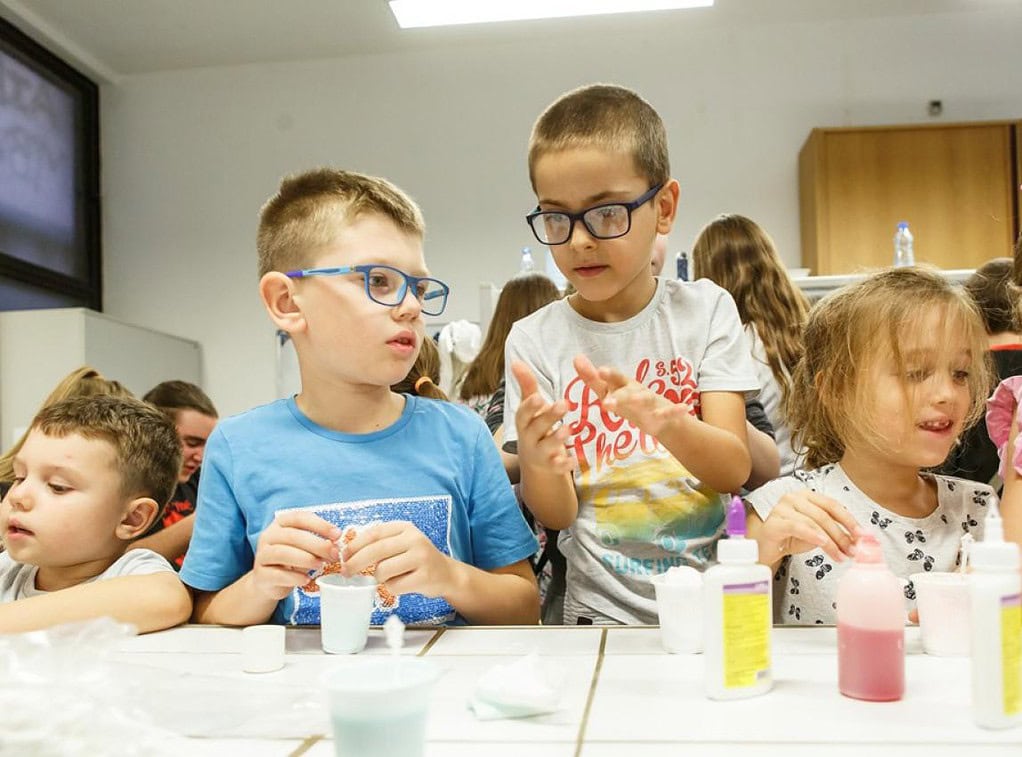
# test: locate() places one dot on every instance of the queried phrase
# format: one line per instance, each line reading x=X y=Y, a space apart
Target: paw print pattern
x=917 y=535
x=876 y=520
x=794 y=612
x=919 y=555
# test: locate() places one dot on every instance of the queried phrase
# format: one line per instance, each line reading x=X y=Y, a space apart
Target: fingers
x=307 y=521
x=589 y=374
x=527 y=384
x=831 y=516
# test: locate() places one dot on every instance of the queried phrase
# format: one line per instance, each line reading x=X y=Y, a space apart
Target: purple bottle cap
x=736 y=517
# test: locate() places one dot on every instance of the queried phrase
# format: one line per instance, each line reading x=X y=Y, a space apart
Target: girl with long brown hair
x=736 y=254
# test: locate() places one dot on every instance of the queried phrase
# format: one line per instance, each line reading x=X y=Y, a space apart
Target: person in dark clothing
x=991 y=287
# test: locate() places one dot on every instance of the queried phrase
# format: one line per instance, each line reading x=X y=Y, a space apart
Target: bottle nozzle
x=735 y=525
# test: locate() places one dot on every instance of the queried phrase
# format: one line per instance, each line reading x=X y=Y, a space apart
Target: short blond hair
x=309 y=208
x=146 y=445
x=606 y=116
x=848 y=331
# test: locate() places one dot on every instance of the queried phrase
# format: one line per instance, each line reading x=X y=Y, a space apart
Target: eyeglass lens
x=603 y=222
x=387 y=287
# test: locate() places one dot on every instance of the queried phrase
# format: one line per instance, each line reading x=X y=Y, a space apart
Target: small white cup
x=345 y=608
x=942 y=600
x=262 y=649
x=679 y=599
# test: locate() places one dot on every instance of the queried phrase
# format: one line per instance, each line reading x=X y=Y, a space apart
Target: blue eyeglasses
x=608 y=221
x=388 y=286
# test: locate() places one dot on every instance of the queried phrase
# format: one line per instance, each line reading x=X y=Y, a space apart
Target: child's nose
x=581 y=239
x=409 y=307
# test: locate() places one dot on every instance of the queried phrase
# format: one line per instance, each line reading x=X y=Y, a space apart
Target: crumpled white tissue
x=522 y=688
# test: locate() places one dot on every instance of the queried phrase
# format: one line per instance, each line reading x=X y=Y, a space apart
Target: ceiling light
x=415 y=13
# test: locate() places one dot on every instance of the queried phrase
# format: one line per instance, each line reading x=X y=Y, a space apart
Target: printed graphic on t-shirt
x=431 y=515
x=646 y=505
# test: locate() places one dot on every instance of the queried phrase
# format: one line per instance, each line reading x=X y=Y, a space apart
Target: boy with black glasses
x=632 y=461
x=348 y=476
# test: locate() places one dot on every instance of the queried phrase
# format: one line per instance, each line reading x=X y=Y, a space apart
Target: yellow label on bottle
x=746 y=634
x=1011 y=652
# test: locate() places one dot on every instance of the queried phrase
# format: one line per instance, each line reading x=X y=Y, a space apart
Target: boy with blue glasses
x=633 y=461
x=348 y=476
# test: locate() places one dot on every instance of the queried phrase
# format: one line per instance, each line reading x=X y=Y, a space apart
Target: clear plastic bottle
x=527 y=264
x=903 y=254
x=870 y=627
x=682 y=265
x=736 y=616
x=995 y=592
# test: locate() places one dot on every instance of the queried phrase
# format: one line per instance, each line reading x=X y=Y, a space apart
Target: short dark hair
x=993 y=290
x=148 y=451
x=171 y=396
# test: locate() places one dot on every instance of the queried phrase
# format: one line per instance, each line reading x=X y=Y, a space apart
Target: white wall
x=188 y=157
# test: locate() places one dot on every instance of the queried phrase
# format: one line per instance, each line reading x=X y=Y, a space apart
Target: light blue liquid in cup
x=379 y=705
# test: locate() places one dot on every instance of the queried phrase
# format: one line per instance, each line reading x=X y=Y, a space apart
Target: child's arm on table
x=150 y=602
x=295 y=543
x=799 y=522
x=715 y=449
x=544 y=463
x=407 y=561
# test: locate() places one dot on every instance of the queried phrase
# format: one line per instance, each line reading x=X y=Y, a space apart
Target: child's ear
x=278 y=294
x=667 y=206
x=138 y=516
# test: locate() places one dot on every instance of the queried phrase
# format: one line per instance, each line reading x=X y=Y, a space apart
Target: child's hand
x=293 y=544
x=404 y=559
x=802 y=521
x=540 y=440
x=629 y=399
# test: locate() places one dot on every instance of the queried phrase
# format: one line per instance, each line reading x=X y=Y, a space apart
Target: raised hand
x=541 y=436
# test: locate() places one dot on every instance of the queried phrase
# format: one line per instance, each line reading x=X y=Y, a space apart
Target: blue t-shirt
x=436 y=466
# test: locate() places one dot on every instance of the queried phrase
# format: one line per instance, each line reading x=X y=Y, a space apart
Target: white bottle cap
x=262 y=649
x=994 y=553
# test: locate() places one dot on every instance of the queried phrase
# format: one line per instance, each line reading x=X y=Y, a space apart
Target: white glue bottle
x=736 y=616
x=995 y=592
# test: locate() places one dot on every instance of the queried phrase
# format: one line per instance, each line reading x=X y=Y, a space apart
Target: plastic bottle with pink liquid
x=870 y=627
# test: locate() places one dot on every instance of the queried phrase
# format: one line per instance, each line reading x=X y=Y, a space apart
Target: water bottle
x=903 y=246
x=682 y=264
x=527 y=265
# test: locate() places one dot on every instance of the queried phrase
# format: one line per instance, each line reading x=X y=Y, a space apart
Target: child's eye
x=59 y=489
x=918 y=374
x=961 y=377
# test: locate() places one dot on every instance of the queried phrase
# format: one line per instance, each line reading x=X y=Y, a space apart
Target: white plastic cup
x=679 y=600
x=262 y=649
x=379 y=705
x=942 y=600
x=345 y=608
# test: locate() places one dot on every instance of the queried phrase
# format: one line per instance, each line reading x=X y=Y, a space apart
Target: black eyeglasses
x=608 y=221
x=388 y=286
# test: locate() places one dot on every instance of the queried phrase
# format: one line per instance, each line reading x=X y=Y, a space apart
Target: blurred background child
x=194 y=417
x=895 y=367
x=735 y=253
x=992 y=290
x=481 y=389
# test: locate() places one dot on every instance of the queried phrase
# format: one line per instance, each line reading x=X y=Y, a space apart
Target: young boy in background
x=91 y=476
x=349 y=476
x=633 y=460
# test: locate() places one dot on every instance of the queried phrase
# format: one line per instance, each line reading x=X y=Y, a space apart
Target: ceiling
x=118 y=38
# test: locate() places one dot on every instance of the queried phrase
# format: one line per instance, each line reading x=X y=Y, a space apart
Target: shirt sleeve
x=727 y=364
x=138 y=562
x=219 y=552
x=500 y=535
x=519 y=346
x=765 y=498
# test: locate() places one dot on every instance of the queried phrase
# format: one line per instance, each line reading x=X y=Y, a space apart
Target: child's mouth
x=937 y=427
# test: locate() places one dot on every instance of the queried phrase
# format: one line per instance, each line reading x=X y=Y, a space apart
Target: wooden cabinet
x=957 y=185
